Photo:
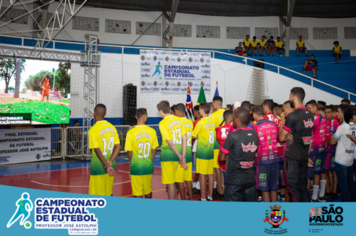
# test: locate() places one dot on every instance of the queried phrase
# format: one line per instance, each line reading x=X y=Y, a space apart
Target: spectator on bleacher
x=77 y=134
x=262 y=46
x=239 y=50
x=246 y=44
x=279 y=45
x=253 y=46
x=311 y=65
x=270 y=45
x=301 y=46
x=345 y=101
x=228 y=107
x=337 y=51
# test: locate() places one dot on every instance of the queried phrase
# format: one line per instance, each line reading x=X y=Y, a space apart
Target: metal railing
x=67 y=142
x=74 y=145
x=244 y=59
x=57 y=142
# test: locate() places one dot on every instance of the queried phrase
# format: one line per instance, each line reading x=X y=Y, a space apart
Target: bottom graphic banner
x=39 y=212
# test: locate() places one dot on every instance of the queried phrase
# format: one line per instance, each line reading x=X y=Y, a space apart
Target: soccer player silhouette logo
x=158 y=69
x=24 y=208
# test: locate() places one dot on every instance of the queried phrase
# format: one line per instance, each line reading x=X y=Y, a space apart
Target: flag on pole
x=216 y=90
x=189 y=112
x=201 y=97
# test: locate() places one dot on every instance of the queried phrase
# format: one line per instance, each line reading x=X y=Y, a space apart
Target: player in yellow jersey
x=337 y=51
x=218 y=120
x=181 y=174
x=174 y=144
x=262 y=46
x=205 y=133
x=279 y=45
x=253 y=46
x=141 y=146
x=301 y=46
x=246 y=44
x=105 y=144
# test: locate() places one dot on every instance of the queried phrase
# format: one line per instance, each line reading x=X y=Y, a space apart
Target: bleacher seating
x=341 y=75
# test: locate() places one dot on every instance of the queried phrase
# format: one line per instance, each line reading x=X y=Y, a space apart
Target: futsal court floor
x=72 y=176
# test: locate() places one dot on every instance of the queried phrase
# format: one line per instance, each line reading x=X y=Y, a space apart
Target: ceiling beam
x=174 y=10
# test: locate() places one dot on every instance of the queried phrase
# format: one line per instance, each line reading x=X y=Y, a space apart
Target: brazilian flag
x=201 y=97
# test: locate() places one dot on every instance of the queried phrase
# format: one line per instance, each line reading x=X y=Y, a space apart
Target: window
x=13 y=13
x=237 y=32
x=85 y=23
x=118 y=26
x=259 y=32
x=350 y=32
x=182 y=31
x=296 y=32
x=141 y=27
x=205 y=31
x=325 y=33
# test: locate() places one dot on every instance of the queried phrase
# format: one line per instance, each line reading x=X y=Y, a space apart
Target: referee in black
x=299 y=124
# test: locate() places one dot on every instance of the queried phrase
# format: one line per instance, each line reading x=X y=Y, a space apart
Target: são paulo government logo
x=155 y=58
x=179 y=83
x=142 y=57
x=190 y=84
x=167 y=83
x=155 y=83
x=275 y=217
x=201 y=83
x=167 y=58
x=143 y=83
x=201 y=60
x=179 y=59
x=190 y=59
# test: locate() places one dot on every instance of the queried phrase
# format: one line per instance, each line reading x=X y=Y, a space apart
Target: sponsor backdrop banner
x=173 y=72
x=38 y=212
x=24 y=145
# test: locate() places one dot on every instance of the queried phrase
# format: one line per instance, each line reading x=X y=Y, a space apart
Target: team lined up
x=246 y=157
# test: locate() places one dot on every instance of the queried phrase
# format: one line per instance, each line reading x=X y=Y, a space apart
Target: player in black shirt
x=299 y=124
x=239 y=150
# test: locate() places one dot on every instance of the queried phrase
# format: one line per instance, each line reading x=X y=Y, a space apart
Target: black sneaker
x=215 y=191
x=335 y=197
x=196 y=191
x=328 y=196
x=218 y=196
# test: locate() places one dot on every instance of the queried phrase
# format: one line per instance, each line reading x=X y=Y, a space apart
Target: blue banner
x=37 y=212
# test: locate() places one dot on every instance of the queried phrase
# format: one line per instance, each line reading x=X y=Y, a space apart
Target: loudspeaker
x=259 y=64
x=129 y=104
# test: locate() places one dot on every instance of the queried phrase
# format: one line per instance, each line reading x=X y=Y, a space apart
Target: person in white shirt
x=345 y=150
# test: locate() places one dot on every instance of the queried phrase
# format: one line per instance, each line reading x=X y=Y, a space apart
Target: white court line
x=69 y=186
x=57 y=170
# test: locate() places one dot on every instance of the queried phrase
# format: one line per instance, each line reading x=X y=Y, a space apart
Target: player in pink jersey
x=287 y=109
x=331 y=126
x=319 y=131
x=221 y=135
x=267 y=168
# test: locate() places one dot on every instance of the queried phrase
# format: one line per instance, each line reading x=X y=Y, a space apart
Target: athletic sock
x=315 y=192
x=198 y=185
x=215 y=183
x=322 y=187
x=194 y=184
